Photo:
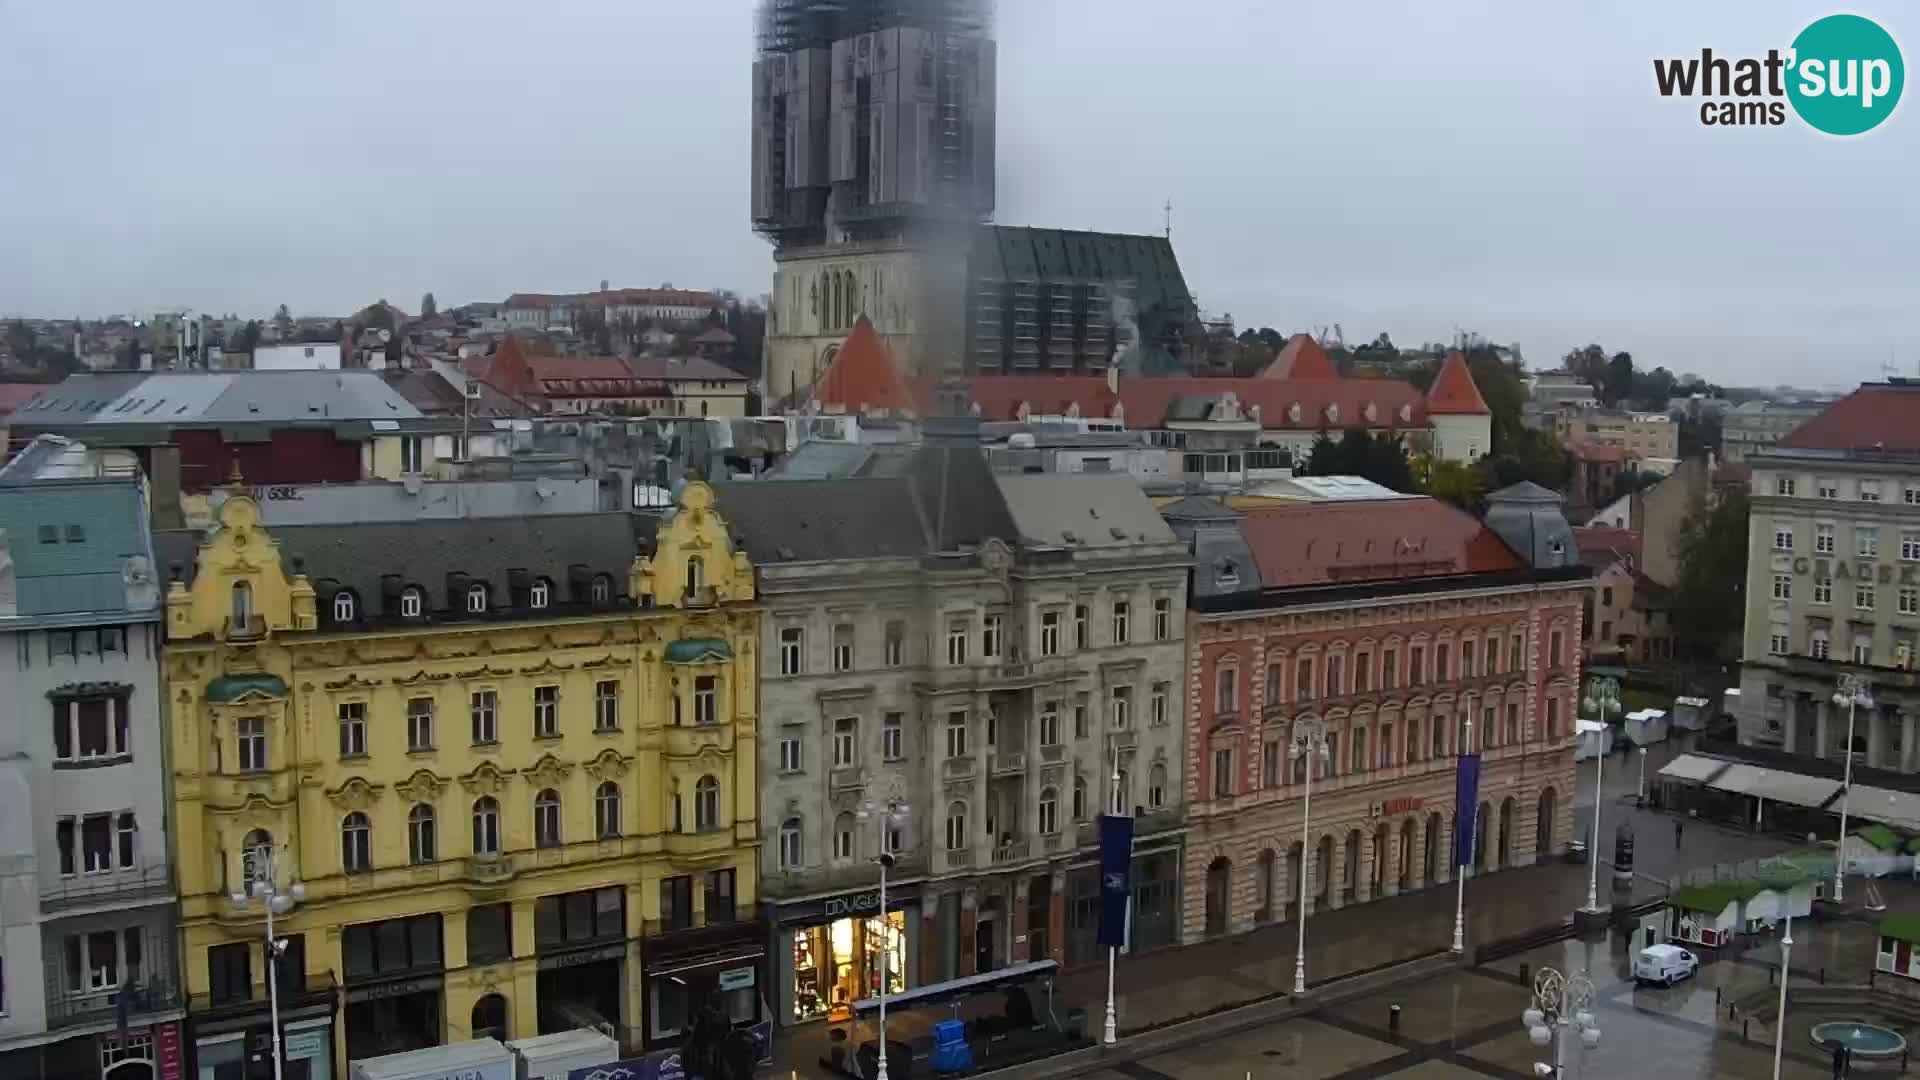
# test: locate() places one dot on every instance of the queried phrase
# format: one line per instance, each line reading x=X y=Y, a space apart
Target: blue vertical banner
x=1466 y=803
x=1116 y=877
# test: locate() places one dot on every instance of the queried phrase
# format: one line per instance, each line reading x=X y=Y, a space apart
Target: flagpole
x=1111 y=1034
x=1459 y=872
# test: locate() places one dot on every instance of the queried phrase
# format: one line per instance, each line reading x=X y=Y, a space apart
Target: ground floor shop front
x=1245 y=868
x=827 y=952
x=144 y=1051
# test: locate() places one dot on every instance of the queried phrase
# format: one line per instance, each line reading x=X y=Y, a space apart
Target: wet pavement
x=1466 y=1022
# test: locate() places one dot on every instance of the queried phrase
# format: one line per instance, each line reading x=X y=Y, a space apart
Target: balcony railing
x=249 y=628
x=1012 y=851
x=157 y=993
x=1009 y=763
x=955 y=767
x=120 y=888
x=1465 y=684
x=490 y=869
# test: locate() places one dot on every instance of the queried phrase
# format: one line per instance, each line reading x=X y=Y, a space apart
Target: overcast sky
x=1504 y=166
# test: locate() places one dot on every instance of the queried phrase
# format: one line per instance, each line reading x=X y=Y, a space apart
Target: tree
x=282 y=319
x=1380 y=458
x=428 y=309
x=1534 y=456
x=248 y=339
x=1456 y=482
x=127 y=356
x=1709 y=597
x=1619 y=379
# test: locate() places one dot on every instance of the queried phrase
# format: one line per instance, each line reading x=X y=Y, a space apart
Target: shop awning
x=962 y=986
x=1900 y=808
x=1776 y=785
x=1692 y=767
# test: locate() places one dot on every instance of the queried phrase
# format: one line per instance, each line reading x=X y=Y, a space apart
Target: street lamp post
x=890 y=813
x=1603 y=693
x=262 y=884
x=1110 y=1033
x=1642 y=796
x=1460 y=872
x=1560 y=1002
x=1309 y=743
x=1780 y=1020
x=1852 y=691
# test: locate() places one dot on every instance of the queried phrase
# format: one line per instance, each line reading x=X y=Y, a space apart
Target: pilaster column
x=1907 y=755
x=1019 y=932
x=1876 y=735
x=1790 y=724
x=1821 y=710
x=931 y=944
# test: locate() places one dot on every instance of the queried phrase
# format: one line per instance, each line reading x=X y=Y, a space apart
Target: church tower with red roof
x=1462 y=423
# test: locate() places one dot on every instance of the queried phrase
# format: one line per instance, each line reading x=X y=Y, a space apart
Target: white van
x=1664 y=964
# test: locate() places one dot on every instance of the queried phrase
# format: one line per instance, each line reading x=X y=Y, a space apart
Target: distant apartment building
x=664 y=305
x=1643 y=435
x=1755 y=426
x=1551 y=391
x=1833 y=581
x=89 y=969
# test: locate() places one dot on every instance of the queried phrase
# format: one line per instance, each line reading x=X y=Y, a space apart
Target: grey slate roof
x=214 y=397
x=1098 y=511
x=72 y=543
x=822 y=520
x=423 y=553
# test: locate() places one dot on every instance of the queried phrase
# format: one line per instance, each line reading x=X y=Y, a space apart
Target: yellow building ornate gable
x=694 y=562
x=239 y=588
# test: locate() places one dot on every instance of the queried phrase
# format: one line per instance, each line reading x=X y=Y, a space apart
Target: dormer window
x=477 y=600
x=602 y=589
x=696 y=574
x=541 y=596
x=242 y=603
x=343 y=606
x=410 y=604
x=1227 y=574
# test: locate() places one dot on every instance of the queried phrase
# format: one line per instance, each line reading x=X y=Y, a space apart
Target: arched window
x=477 y=599
x=1157 y=787
x=833 y=311
x=602 y=589
x=853 y=299
x=546 y=818
x=490 y=1017
x=606 y=810
x=957 y=826
x=343 y=606
x=242 y=613
x=256 y=855
x=843 y=837
x=421 y=846
x=1049 y=811
x=696 y=574
x=410 y=604
x=1079 y=798
x=706 y=804
x=790 y=849
x=1122 y=793
x=356 y=843
x=486 y=826
x=542 y=594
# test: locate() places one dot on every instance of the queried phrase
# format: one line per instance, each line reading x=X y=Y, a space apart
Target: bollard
x=1526 y=970
x=1716 y=995
x=1743 y=1029
x=1823 y=974
x=1393 y=1018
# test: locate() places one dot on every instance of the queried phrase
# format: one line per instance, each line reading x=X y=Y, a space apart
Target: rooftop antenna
x=1169 y=209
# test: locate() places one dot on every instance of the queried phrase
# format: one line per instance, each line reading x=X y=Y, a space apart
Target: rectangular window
x=1818 y=645
x=846 y=734
x=1332 y=761
x=1823 y=539
x=546 y=712
x=843 y=647
x=1909 y=600
x=1336 y=675
x=1082 y=627
x=1416 y=666
x=1863 y=597
x=606 y=705
x=1862 y=651
x=956 y=641
x=1553 y=717
x=706 y=699
x=1080 y=711
x=1513 y=724
x=1554 y=656
x=1270 y=758
x=229 y=977
x=96 y=843
x=1870 y=491
x=129 y=834
x=896 y=644
x=1359 y=749
x=1226 y=698
x=1303 y=679
x=1778 y=645
x=1163 y=618
x=676 y=902
x=1782 y=538
x=1866 y=542
x=1050 y=724
x=1828 y=489
x=419 y=724
x=718 y=896
x=1122 y=625
x=790 y=760
x=957 y=733
x=1442 y=663
x=1049 y=633
x=489 y=933
x=1910 y=547
x=484 y=705
x=1783 y=485
x=1222 y=773
x=1122 y=708
x=1517 y=653
x=252 y=731
x=990 y=635
x=353 y=729
x=1466 y=659
x=793 y=643
x=1157 y=707
x=1823 y=590
x=893 y=734
x=1362 y=672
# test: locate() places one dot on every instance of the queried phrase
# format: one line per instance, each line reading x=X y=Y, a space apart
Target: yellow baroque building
x=494 y=776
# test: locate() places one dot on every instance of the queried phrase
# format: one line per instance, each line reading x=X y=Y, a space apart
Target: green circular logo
x=1846 y=75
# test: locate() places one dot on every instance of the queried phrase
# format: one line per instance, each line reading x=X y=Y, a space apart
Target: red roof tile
x=1877 y=416
x=1285 y=404
x=1301 y=358
x=554 y=372
x=1599 y=453
x=1327 y=543
x=863 y=376
x=660 y=297
x=14 y=395
x=1601 y=547
x=1453 y=392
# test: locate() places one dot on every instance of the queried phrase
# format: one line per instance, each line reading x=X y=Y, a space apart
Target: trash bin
x=1577 y=852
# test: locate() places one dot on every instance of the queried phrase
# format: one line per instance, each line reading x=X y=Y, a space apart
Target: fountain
x=1866 y=1041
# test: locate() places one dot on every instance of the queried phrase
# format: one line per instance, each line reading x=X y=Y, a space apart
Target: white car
x=1664 y=964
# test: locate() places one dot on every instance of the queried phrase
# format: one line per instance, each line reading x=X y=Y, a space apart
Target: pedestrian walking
x=1679 y=829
